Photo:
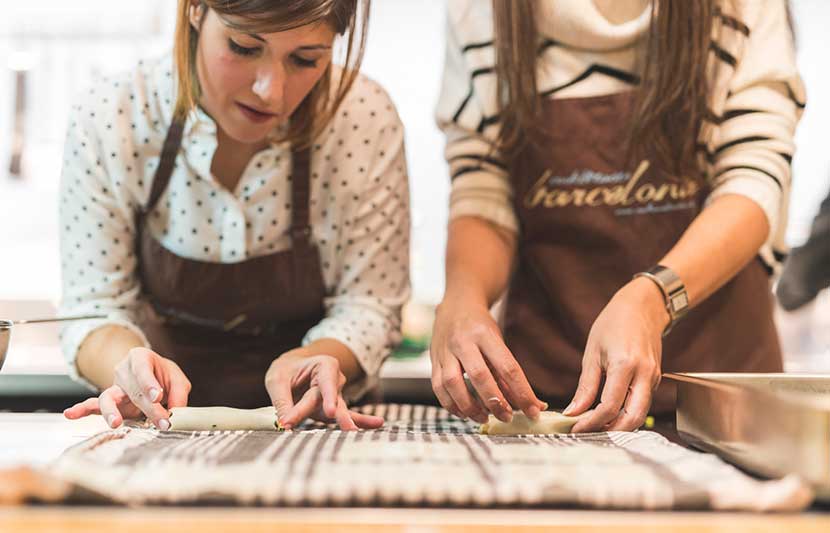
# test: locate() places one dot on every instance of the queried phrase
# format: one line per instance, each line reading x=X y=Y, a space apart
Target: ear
x=196 y=14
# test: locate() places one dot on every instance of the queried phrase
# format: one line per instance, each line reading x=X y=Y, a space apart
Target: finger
x=303 y=409
x=179 y=391
x=453 y=381
x=364 y=421
x=155 y=413
x=180 y=386
x=588 y=387
x=510 y=375
x=329 y=383
x=282 y=397
x=613 y=395
x=109 y=407
x=490 y=398
x=344 y=419
x=636 y=406
x=441 y=393
x=480 y=403
x=81 y=409
x=143 y=365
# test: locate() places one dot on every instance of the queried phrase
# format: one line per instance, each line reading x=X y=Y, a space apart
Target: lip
x=253 y=114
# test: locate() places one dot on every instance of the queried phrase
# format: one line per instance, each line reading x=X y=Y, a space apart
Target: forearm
x=479 y=260
x=349 y=364
x=102 y=350
x=717 y=245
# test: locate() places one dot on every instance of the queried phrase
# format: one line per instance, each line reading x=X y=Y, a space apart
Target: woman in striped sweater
x=615 y=164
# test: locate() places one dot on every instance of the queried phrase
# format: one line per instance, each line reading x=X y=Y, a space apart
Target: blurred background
x=50 y=49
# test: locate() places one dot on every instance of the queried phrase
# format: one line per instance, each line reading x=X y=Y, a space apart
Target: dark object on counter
x=807 y=270
x=18 y=131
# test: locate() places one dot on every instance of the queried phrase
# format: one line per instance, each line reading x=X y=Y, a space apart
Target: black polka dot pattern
x=359 y=206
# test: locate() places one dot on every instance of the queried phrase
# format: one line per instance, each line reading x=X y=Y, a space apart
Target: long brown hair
x=348 y=18
x=672 y=99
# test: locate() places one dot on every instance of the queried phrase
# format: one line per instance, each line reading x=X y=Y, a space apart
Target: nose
x=269 y=86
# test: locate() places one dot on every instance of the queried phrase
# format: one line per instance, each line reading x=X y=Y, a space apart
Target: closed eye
x=238 y=49
x=303 y=62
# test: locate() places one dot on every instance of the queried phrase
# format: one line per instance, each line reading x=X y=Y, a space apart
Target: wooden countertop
x=37 y=438
x=210 y=520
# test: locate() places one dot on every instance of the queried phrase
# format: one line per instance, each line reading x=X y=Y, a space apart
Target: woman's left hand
x=625 y=344
x=317 y=382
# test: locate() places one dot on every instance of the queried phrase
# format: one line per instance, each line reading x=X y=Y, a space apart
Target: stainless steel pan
x=770 y=424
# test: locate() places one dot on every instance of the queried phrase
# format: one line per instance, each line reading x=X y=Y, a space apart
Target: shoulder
x=365 y=123
x=363 y=139
x=366 y=107
x=126 y=104
x=470 y=21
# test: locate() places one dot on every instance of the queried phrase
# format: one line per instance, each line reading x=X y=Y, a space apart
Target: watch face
x=679 y=302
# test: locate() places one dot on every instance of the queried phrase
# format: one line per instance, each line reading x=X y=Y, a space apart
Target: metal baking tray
x=768 y=424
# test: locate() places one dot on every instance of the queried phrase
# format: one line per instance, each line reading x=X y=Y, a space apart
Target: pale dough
x=547 y=423
x=223 y=418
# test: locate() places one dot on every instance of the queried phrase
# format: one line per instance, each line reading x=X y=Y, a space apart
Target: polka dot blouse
x=359 y=208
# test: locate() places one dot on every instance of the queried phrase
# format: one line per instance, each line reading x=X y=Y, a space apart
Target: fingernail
x=533 y=412
x=111 y=420
x=164 y=424
x=153 y=394
x=568 y=409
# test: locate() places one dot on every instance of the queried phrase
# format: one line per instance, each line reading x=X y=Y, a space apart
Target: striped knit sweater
x=755 y=104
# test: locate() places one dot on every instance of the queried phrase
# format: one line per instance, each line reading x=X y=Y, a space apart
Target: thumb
x=586 y=390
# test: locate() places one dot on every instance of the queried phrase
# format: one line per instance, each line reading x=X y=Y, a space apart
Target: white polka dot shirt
x=359 y=208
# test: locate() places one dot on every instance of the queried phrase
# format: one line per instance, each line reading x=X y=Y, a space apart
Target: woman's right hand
x=467 y=339
x=144 y=383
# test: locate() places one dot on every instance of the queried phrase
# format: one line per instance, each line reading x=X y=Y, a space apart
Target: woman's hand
x=144 y=381
x=467 y=339
x=318 y=383
x=625 y=344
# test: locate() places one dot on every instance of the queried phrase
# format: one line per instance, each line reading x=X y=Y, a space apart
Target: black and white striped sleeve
x=480 y=184
x=752 y=145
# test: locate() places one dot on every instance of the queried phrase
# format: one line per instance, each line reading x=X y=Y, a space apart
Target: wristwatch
x=674 y=292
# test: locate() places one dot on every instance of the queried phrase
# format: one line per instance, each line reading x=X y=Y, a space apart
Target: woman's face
x=253 y=83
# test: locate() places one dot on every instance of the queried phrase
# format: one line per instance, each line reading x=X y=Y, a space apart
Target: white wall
x=405 y=54
x=811 y=165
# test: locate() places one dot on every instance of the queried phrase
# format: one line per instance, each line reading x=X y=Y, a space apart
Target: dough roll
x=223 y=419
x=548 y=422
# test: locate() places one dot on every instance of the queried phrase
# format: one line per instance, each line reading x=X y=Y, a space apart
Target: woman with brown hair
x=615 y=165
x=239 y=211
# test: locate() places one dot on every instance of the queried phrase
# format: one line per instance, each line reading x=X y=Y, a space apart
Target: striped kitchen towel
x=423 y=456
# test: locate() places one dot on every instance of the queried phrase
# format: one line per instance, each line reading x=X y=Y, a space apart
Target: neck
x=232 y=157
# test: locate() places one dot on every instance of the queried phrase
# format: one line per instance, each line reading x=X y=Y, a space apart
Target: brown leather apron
x=224 y=323
x=588 y=224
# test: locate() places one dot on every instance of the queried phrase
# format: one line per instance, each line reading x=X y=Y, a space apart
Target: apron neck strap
x=300 y=185
x=167 y=163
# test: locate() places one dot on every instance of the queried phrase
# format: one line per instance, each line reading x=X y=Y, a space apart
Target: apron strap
x=172 y=143
x=300 y=185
